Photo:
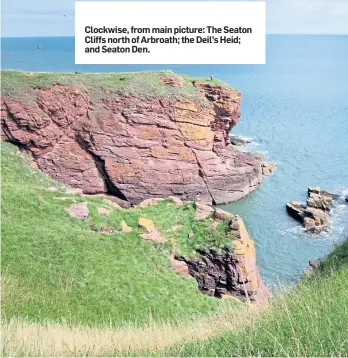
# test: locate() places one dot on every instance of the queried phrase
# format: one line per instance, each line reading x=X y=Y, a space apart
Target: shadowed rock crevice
x=100 y=165
x=6 y=134
x=202 y=175
x=136 y=147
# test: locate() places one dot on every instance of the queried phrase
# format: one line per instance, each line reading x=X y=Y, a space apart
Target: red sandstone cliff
x=230 y=272
x=136 y=148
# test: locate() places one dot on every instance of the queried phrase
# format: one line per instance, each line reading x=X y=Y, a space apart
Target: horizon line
x=69 y=36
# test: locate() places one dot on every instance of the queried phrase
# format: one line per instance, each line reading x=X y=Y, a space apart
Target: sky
x=56 y=17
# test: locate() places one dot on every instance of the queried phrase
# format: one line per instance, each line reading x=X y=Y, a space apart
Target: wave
x=338 y=223
x=242 y=137
x=344 y=194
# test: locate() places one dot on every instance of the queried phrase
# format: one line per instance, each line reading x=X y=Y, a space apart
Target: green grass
x=58 y=269
x=18 y=85
x=338 y=258
x=192 y=234
x=311 y=320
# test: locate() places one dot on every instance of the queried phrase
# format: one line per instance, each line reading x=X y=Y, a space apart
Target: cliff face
x=136 y=147
x=232 y=272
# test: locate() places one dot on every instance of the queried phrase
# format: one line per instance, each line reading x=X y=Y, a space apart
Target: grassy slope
x=55 y=268
x=311 y=320
x=21 y=85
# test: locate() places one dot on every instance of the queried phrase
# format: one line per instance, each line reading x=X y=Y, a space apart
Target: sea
x=294 y=111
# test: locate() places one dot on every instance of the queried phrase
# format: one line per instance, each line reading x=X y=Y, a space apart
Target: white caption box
x=92 y=16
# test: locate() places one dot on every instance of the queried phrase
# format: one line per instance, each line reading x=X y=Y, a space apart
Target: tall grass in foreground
x=68 y=290
x=21 y=338
x=311 y=320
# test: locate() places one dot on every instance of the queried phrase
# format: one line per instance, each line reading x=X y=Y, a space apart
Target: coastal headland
x=135 y=136
x=110 y=233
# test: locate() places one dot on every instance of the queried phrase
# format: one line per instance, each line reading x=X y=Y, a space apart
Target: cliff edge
x=135 y=136
x=224 y=272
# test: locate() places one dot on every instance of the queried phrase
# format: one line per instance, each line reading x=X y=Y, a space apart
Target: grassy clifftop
x=21 y=85
x=55 y=267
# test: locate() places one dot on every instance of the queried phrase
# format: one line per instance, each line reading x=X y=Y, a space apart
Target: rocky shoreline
x=134 y=149
x=237 y=141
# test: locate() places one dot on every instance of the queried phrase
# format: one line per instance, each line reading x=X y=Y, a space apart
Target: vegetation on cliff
x=60 y=273
x=74 y=288
x=137 y=139
x=19 y=85
x=55 y=267
x=309 y=320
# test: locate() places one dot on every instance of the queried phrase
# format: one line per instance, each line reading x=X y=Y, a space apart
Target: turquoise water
x=295 y=109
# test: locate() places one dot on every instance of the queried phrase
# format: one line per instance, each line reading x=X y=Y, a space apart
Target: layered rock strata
x=232 y=272
x=136 y=148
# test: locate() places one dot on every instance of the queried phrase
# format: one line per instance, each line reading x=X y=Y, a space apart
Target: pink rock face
x=229 y=272
x=137 y=148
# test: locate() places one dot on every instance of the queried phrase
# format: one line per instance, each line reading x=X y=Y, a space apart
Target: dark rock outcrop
x=238 y=141
x=232 y=272
x=296 y=210
x=136 y=148
x=314 y=215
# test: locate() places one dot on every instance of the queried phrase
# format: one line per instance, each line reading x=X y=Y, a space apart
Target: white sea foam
x=344 y=193
x=253 y=146
x=291 y=230
x=242 y=137
x=338 y=224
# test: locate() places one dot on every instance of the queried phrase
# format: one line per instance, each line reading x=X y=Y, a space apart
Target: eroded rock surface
x=136 y=148
x=149 y=232
x=172 y=81
x=268 y=168
x=296 y=209
x=103 y=211
x=314 y=215
x=79 y=211
x=149 y=202
x=125 y=227
x=234 y=272
x=203 y=211
x=180 y=267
